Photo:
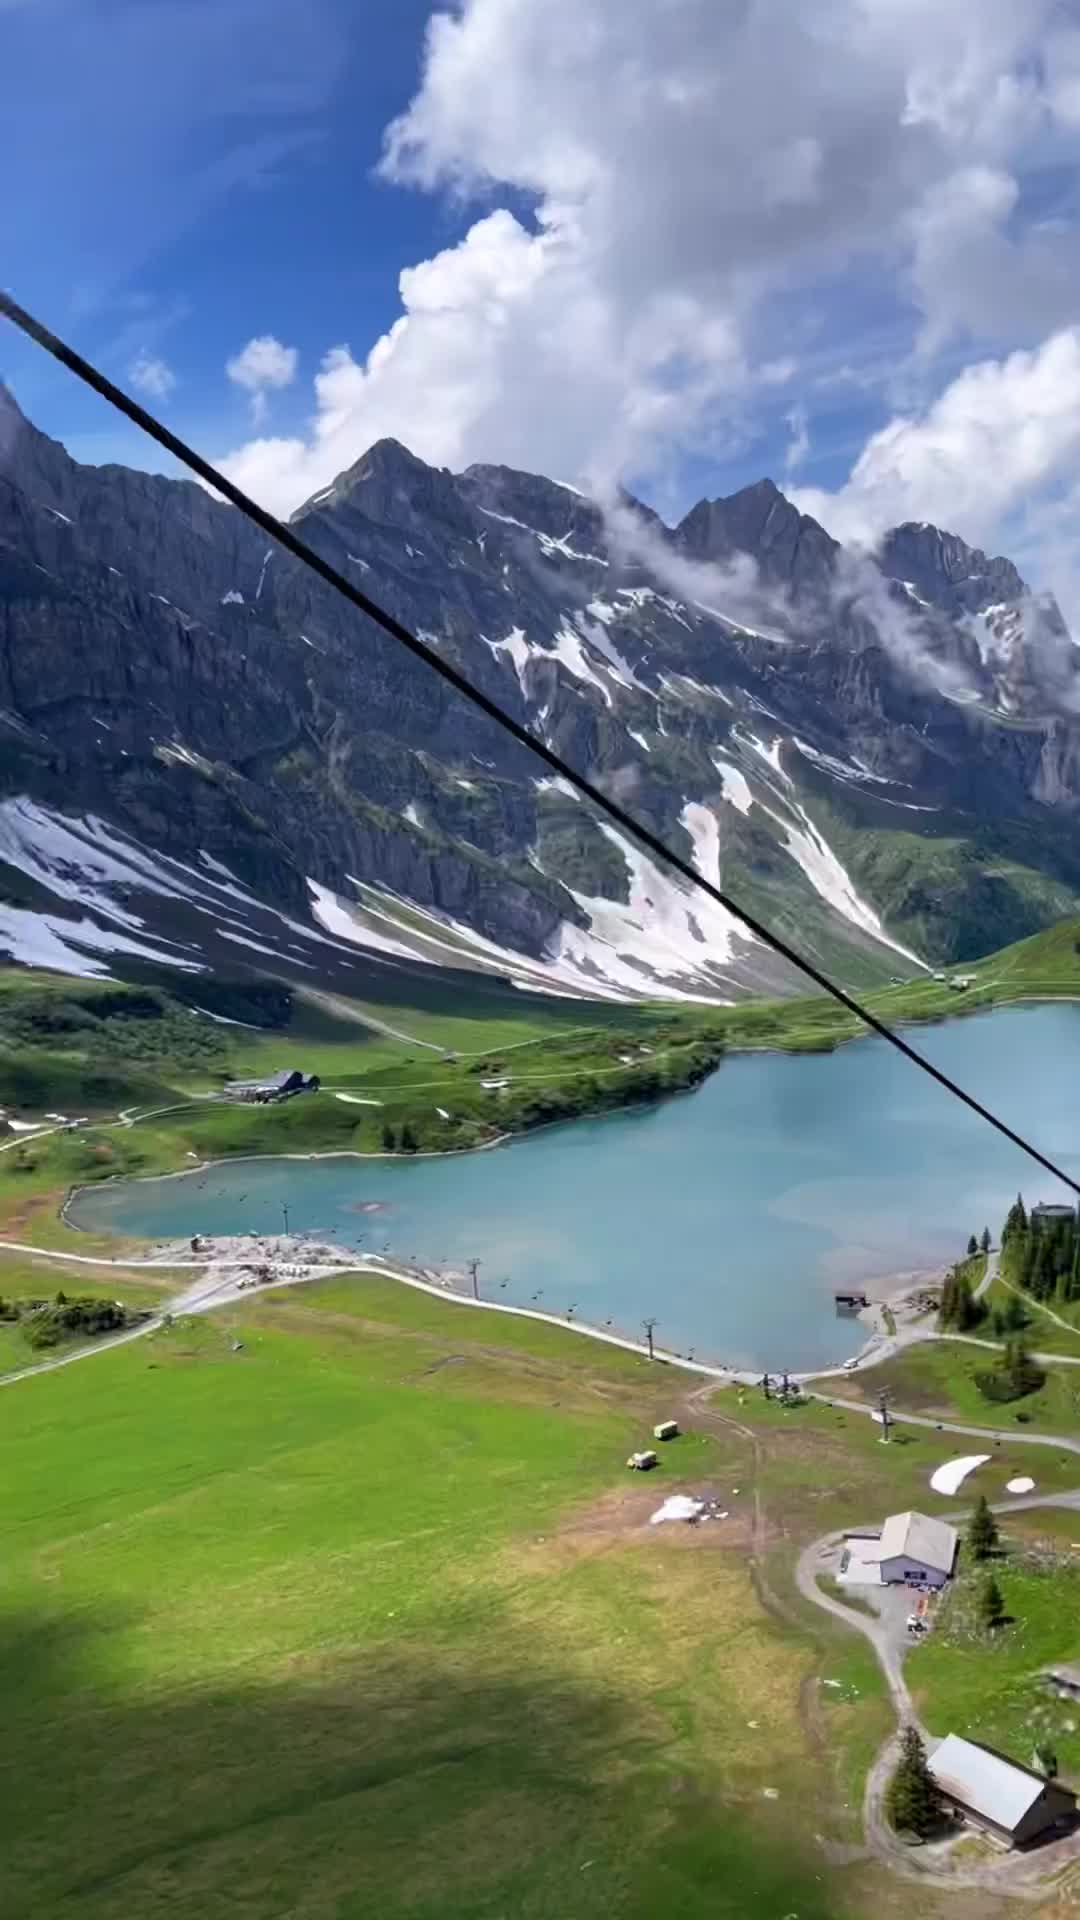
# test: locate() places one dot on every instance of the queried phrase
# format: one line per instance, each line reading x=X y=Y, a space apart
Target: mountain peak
x=386 y=479
x=788 y=546
x=944 y=570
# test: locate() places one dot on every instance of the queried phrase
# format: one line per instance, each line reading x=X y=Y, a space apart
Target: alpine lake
x=729 y=1215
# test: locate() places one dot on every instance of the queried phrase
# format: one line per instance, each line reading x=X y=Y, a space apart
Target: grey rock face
x=164 y=670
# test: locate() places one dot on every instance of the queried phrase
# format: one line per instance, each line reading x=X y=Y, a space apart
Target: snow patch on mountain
x=829 y=878
x=735 y=783
x=769 y=751
x=569 y=650
x=623 y=672
x=49 y=940
x=516 y=648
x=551 y=546
x=840 y=769
x=667 y=934
x=554 y=783
x=704 y=829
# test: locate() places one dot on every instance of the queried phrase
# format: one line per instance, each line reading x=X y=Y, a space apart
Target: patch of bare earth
x=623 y=1514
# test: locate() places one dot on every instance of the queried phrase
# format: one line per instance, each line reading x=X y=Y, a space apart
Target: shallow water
x=730 y=1214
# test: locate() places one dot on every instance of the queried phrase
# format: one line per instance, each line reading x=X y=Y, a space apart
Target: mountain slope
x=203 y=750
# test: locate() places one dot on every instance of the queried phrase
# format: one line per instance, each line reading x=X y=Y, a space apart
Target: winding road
x=1019 y=1876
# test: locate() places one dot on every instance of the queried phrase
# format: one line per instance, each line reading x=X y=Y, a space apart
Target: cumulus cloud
x=151 y=375
x=799 y=445
x=692 y=173
x=264 y=364
x=1002 y=430
x=993 y=458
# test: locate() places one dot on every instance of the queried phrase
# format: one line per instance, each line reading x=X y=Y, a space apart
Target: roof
x=999 y=1789
x=279 y=1079
x=863 y=1569
x=917 y=1537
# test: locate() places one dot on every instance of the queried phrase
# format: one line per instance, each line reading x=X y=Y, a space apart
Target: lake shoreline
x=735 y=1220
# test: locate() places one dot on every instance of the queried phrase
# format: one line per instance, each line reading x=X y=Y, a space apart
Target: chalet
x=1013 y=1803
x=917 y=1550
x=275 y=1086
x=911 y=1549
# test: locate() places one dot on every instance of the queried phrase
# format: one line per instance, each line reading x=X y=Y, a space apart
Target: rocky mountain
x=209 y=761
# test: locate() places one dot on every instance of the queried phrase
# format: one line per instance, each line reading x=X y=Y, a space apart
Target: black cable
x=287 y=538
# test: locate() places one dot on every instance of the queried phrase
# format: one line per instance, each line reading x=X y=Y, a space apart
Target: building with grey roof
x=1010 y=1801
x=273 y=1086
x=917 y=1550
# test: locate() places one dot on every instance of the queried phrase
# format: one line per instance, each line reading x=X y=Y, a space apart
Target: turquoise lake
x=730 y=1214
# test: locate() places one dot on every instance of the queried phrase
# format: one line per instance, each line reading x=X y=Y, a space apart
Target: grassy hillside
x=365 y=1616
x=359 y=1621
x=987 y=1686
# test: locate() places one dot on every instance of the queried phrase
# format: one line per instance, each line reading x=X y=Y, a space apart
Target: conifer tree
x=912 y=1798
x=989 y=1604
x=982 y=1531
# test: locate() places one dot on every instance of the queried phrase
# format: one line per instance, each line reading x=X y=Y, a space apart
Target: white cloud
x=799 y=445
x=998 y=432
x=262 y=365
x=695 y=171
x=994 y=458
x=152 y=376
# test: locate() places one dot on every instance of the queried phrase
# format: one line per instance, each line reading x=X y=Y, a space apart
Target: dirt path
x=1020 y=1876
x=346 y=1010
x=997 y=1434
x=993 y=1268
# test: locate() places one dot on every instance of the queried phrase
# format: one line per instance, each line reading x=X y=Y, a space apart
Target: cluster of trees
x=50 y=1323
x=1042 y=1256
x=1013 y=1376
x=405 y=1142
x=115 y=1023
x=981 y=1244
x=959 y=1310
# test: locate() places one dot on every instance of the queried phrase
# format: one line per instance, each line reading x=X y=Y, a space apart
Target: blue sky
x=155 y=225
x=678 y=245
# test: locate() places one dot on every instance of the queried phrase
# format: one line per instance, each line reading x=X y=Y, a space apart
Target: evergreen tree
x=958 y=1309
x=989 y=1605
x=389 y=1139
x=982 y=1531
x=1011 y=1316
x=973 y=1246
x=408 y=1139
x=1015 y=1222
x=984 y=1241
x=912 y=1798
